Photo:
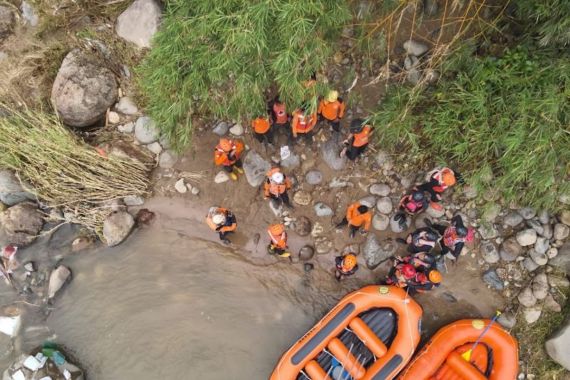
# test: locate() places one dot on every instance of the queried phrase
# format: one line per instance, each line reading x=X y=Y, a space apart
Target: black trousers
x=265 y=137
x=281 y=198
x=230 y=168
x=352 y=152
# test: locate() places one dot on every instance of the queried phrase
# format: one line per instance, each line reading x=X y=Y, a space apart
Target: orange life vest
x=280 y=113
x=221 y=157
x=214 y=226
x=276 y=189
x=331 y=110
x=260 y=125
x=303 y=123
x=362 y=138
x=357 y=219
x=278 y=240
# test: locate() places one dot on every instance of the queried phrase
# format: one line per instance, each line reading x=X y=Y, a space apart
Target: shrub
x=549 y=19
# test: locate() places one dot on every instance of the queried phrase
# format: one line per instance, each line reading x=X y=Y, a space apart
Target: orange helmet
x=276 y=229
x=225 y=144
x=435 y=276
x=349 y=261
x=448 y=177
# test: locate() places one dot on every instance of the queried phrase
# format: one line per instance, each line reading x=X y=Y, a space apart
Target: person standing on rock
x=439 y=181
x=227 y=154
x=275 y=187
x=278 y=240
x=222 y=221
x=421 y=240
x=332 y=109
x=453 y=237
x=262 y=130
x=345 y=266
x=357 y=140
x=303 y=122
x=358 y=217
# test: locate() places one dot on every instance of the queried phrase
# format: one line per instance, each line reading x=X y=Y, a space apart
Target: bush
x=549 y=19
x=218 y=58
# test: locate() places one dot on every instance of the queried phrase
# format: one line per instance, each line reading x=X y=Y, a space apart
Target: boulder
x=221 y=128
x=532 y=314
x=384 y=205
x=380 y=189
x=552 y=253
x=526 y=297
x=539 y=258
x=255 y=168
x=133 y=200
x=126 y=106
x=29 y=14
x=139 y=22
x=513 y=219
x=535 y=225
x=507 y=320
x=529 y=264
x=180 y=186
x=302 y=198
x=322 y=209
x=126 y=128
x=543 y=216
x=540 y=286
x=550 y=304
x=58 y=277
x=303 y=226
x=395 y=225
x=291 y=161
x=411 y=62
x=146 y=131
x=167 y=159
x=369 y=201
x=375 y=252
x=237 y=130
x=547 y=231
x=117 y=227
x=562 y=259
x=11 y=191
x=384 y=160
x=489 y=252
x=380 y=222
x=22 y=223
x=221 y=177
x=7 y=21
x=331 y=155
x=565 y=217
x=413 y=76
x=561 y=231
x=83 y=90
x=510 y=249
x=541 y=245
x=314 y=177
x=526 y=237
x=492 y=279
x=527 y=213
x=306 y=253
x=488 y=231
x=415 y=48
x=558 y=345
x=155 y=148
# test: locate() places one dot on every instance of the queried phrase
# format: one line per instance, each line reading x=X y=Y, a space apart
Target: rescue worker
x=422 y=261
x=278 y=240
x=421 y=240
x=357 y=140
x=345 y=266
x=453 y=237
x=262 y=130
x=303 y=123
x=439 y=181
x=332 y=109
x=276 y=186
x=401 y=275
x=358 y=217
x=227 y=155
x=222 y=221
x=411 y=204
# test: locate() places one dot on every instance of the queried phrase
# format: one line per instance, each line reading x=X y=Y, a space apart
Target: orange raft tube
x=494 y=358
x=369 y=335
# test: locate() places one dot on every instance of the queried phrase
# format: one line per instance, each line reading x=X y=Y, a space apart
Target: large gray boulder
x=489 y=252
x=526 y=237
x=22 y=223
x=139 y=22
x=117 y=227
x=146 y=131
x=255 y=168
x=11 y=191
x=331 y=155
x=375 y=252
x=7 y=21
x=83 y=90
x=558 y=346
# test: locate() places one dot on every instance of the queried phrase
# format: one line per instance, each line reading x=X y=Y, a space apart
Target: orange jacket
x=278 y=241
x=362 y=138
x=280 y=113
x=357 y=219
x=213 y=226
x=331 y=110
x=221 y=157
x=260 y=125
x=302 y=123
x=270 y=187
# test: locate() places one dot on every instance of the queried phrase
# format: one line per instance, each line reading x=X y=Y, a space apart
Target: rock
x=526 y=237
x=167 y=159
x=415 y=48
x=155 y=147
x=543 y=216
x=492 y=279
x=413 y=76
x=489 y=252
x=302 y=226
x=237 y=130
x=307 y=267
x=133 y=200
x=561 y=231
x=558 y=281
x=395 y=225
x=539 y=258
x=314 y=177
x=180 y=186
x=526 y=297
x=550 y=304
x=117 y=227
x=469 y=192
x=221 y=177
x=331 y=155
x=292 y=161
x=11 y=323
x=540 y=286
x=513 y=219
x=83 y=90
x=380 y=222
x=491 y=212
x=322 y=209
x=558 y=345
x=126 y=106
x=527 y=213
x=430 y=7
x=529 y=264
x=7 y=21
x=562 y=259
x=57 y=279
x=323 y=245
x=384 y=160
x=431 y=75
x=369 y=201
x=376 y=252
x=535 y=225
x=306 y=253
x=488 y=231
x=510 y=249
x=146 y=131
x=81 y=243
x=435 y=213
x=302 y=198
x=194 y=190
x=221 y=128
x=507 y=320
x=532 y=314
x=547 y=231
x=29 y=14
x=11 y=191
x=22 y=223
x=565 y=217
x=338 y=183
x=113 y=118
x=255 y=168
x=552 y=253
x=411 y=62
x=139 y=22
x=384 y=205
x=317 y=230
x=541 y=245
x=126 y=128
x=380 y=189
x=30 y=266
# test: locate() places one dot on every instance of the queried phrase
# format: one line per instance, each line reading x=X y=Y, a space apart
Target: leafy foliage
x=551 y=19
x=218 y=57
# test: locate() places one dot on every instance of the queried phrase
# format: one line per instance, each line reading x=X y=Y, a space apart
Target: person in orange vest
x=262 y=130
x=439 y=181
x=276 y=186
x=332 y=109
x=222 y=221
x=358 y=217
x=358 y=139
x=303 y=123
x=278 y=240
x=345 y=266
x=227 y=154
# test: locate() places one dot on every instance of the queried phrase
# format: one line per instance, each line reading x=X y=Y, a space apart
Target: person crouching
x=222 y=221
x=345 y=266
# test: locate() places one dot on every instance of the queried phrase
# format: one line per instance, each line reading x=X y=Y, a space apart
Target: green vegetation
x=218 y=58
x=549 y=19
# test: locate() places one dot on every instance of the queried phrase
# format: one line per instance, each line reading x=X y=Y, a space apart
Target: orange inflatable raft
x=495 y=357
x=369 y=335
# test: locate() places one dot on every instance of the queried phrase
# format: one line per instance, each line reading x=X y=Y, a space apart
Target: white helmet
x=277 y=177
x=219 y=218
